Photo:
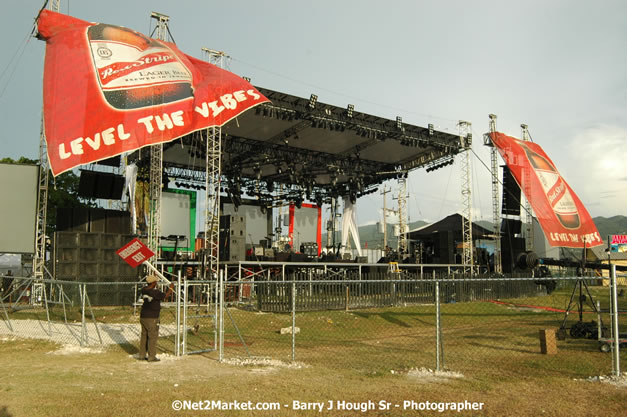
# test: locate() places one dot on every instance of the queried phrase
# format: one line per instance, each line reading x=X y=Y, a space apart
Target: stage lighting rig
x=399 y=122
x=313 y=99
x=440 y=163
x=350 y=110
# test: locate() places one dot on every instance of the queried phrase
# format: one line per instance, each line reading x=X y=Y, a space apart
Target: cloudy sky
x=558 y=66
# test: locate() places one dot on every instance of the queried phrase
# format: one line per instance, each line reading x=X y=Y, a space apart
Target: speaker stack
x=232 y=238
x=445 y=247
x=92 y=258
x=94 y=220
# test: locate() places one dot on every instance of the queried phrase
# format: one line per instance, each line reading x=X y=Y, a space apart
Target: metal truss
x=156 y=161
x=528 y=214
x=496 y=213
x=154 y=222
x=465 y=137
x=42 y=207
x=39 y=261
x=213 y=153
x=402 y=215
x=212 y=201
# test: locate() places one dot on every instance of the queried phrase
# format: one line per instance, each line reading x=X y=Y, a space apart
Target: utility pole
x=465 y=137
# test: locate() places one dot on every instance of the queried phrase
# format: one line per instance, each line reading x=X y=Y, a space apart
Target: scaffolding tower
x=496 y=214
x=528 y=214
x=156 y=160
x=402 y=215
x=39 y=261
x=465 y=137
x=213 y=147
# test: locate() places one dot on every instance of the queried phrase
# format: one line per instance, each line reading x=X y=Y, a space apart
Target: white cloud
x=595 y=169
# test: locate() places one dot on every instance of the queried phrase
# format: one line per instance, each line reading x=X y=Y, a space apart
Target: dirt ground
x=46 y=379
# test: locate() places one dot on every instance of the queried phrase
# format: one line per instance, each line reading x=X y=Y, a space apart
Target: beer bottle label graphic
x=135 y=71
x=555 y=188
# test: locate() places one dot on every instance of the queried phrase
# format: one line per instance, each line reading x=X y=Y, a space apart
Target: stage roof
x=313 y=149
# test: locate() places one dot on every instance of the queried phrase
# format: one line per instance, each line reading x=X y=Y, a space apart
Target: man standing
x=7 y=284
x=149 y=318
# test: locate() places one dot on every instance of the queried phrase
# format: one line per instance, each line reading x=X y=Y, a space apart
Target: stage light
x=399 y=122
x=247 y=79
x=469 y=140
x=313 y=99
x=350 y=110
x=430 y=125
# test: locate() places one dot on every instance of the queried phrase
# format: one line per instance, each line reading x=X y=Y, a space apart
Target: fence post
x=437 y=326
x=177 y=338
x=614 y=300
x=221 y=318
x=83 y=328
x=293 y=321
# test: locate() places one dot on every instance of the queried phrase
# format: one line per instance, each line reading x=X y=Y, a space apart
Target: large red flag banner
x=562 y=216
x=109 y=90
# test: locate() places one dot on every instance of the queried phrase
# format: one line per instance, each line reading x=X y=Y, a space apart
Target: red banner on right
x=562 y=216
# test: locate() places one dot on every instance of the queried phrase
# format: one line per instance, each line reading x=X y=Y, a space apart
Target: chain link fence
x=372 y=323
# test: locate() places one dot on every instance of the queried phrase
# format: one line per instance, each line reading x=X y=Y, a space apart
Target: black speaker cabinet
x=511 y=194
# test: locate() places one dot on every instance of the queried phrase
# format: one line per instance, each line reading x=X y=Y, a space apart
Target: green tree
x=62 y=192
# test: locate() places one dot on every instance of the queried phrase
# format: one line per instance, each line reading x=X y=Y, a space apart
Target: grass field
x=356 y=356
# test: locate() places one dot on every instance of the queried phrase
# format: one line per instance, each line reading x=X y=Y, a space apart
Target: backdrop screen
x=18 y=208
x=178 y=217
x=304 y=225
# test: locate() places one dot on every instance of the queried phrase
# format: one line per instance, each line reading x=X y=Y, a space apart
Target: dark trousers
x=148 y=341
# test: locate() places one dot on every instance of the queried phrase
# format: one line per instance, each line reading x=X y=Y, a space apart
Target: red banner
x=109 y=90
x=562 y=216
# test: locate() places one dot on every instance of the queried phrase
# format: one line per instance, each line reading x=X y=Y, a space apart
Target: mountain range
x=615 y=225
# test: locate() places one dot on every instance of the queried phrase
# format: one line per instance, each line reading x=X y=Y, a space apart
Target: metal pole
x=293 y=321
x=83 y=329
x=598 y=320
x=177 y=351
x=185 y=301
x=437 y=325
x=216 y=293
x=615 y=322
x=221 y=350
x=157 y=272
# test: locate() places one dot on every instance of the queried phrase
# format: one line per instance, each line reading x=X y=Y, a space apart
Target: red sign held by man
x=135 y=253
